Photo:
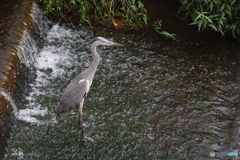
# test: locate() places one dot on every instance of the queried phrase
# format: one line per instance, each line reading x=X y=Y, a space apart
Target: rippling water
x=149 y=100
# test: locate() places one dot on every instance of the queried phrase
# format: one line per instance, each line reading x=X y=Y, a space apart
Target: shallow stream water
x=151 y=99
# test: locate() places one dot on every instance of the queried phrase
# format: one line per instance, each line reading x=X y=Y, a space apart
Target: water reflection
x=149 y=100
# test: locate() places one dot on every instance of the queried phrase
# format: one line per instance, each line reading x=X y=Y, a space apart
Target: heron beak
x=115 y=44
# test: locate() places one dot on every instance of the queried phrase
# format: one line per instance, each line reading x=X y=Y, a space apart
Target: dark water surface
x=152 y=99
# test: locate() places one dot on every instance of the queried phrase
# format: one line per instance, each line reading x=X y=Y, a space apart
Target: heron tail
x=60 y=108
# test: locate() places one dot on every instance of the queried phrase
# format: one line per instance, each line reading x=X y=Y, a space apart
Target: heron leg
x=80 y=115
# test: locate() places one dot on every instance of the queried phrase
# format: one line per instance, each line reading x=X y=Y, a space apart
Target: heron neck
x=96 y=56
x=96 y=59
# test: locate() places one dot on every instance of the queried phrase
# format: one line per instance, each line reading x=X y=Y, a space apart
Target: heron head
x=104 y=41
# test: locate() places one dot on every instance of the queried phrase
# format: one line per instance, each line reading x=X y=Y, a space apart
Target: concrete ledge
x=17 y=25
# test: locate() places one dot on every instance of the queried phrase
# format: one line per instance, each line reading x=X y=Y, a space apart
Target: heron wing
x=74 y=92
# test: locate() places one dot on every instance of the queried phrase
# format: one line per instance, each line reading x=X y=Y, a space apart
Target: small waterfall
x=8 y=97
x=23 y=29
x=27 y=24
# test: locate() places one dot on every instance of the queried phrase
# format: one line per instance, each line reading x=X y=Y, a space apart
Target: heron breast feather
x=86 y=82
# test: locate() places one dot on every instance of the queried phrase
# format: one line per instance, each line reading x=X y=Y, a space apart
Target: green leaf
x=208 y=19
x=171 y=36
x=134 y=7
x=233 y=1
x=213 y=27
x=140 y=4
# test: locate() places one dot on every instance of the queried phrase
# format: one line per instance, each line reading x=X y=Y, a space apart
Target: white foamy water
x=47 y=64
x=27 y=115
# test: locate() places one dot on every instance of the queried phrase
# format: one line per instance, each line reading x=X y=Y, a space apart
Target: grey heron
x=80 y=85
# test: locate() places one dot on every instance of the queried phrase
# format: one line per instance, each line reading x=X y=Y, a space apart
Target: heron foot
x=83 y=140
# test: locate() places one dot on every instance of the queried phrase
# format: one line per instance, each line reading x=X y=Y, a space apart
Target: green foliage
x=220 y=15
x=158 y=26
x=134 y=13
x=130 y=13
x=78 y=8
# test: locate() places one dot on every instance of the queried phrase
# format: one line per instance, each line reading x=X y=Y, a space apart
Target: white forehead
x=101 y=39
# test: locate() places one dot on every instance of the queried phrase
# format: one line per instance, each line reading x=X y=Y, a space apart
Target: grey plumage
x=79 y=86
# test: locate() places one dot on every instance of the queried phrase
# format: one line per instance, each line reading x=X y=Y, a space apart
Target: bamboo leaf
x=213 y=27
x=208 y=19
